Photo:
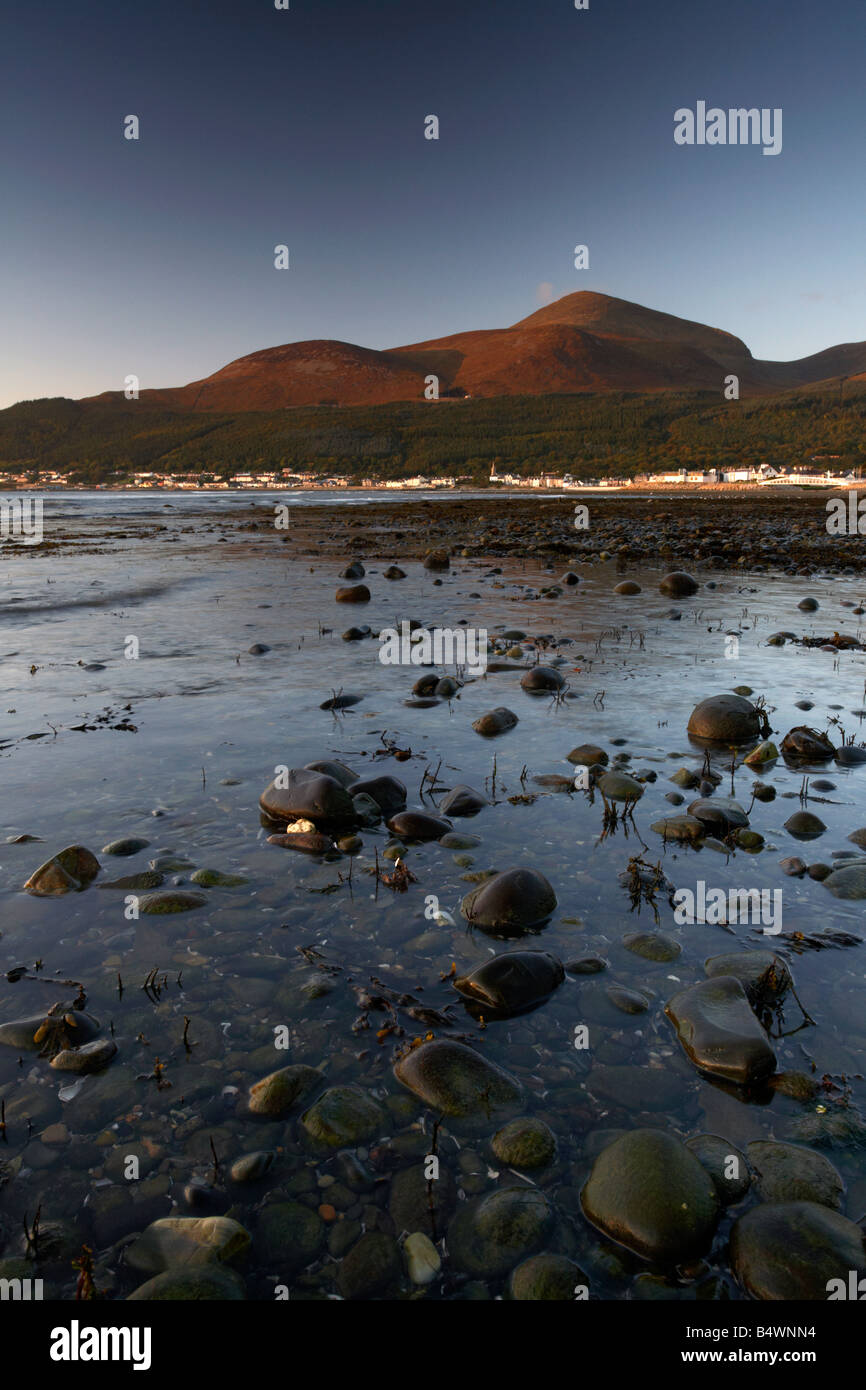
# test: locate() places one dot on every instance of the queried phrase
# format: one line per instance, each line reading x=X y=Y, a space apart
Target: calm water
x=211 y=724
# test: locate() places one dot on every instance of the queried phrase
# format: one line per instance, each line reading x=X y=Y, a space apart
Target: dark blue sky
x=306 y=127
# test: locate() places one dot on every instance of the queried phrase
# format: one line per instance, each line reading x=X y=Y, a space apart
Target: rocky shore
x=458 y=988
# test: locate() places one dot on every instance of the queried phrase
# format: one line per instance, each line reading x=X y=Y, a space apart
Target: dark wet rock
x=678 y=828
x=808 y=605
x=170 y=900
x=447 y=688
x=215 y=878
x=340 y=773
x=395 y=572
x=182 y=1241
x=858 y=838
x=353 y=593
x=628 y=586
x=90 y=1057
x=628 y=1001
x=819 y=872
x=719 y=1032
x=807 y=745
x=763 y=792
x=764 y=976
x=437 y=560
x=426 y=702
x=546 y=1278
x=69 y=871
x=366 y=809
x=586 y=965
x=258 y=649
x=213 y=1282
x=131 y=845
x=648 y=1192
x=542 y=680
x=850 y=756
x=525 y=1143
x=510 y=902
x=765 y=752
x=792 y=1250
x=456 y=1080
x=426 y=684
x=389 y=793
x=356 y=634
x=587 y=755
x=791 y=1173
x=252 y=1167
x=749 y=839
x=147 y=880
x=409 y=1200
x=848 y=882
x=678 y=584
x=370 y=1267
x=341 y=701
x=463 y=801
x=570 y=578
x=652 y=946
x=288 y=1236
x=726 y=1165
x=342 y=1116
x=685 y=777
x=304 y=841
x=418 y=825
x=803 y=825
x=618 y=786
x=719 y=814
x=461 y=840
x=308 y=795
x=511 y=983
x=492 y=1234
x=495 y=721
x=353 y=571
x=728 y=719
x=64 y=1027
x=276 y=1093
x=793 y=867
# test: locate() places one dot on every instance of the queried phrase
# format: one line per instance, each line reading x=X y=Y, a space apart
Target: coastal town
x=815 y=473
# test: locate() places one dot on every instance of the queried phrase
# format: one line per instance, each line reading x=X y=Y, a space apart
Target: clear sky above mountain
x=306 y=127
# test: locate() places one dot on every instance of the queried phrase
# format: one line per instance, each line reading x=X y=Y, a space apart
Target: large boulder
x=306 y=795
x=511 y=902
x=455 y=1079
x=343 y=1115
x=648 y=1192
x=495 y=721
x=678 y=584
x=719 y=1033
x=793 y=1173
x=69 y=871
x=511 y=983
x=802 y=744
x=788 y=1251
x=492 y=1234
x=389 y=793
x=728 y=719
x=177 y=1241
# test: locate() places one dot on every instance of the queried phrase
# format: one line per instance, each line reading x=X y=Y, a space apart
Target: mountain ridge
x=582 y=342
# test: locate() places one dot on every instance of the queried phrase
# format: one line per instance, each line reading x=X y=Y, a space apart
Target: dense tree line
x=587 y=435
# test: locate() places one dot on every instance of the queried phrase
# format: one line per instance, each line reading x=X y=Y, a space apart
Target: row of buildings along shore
x=811 y=475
